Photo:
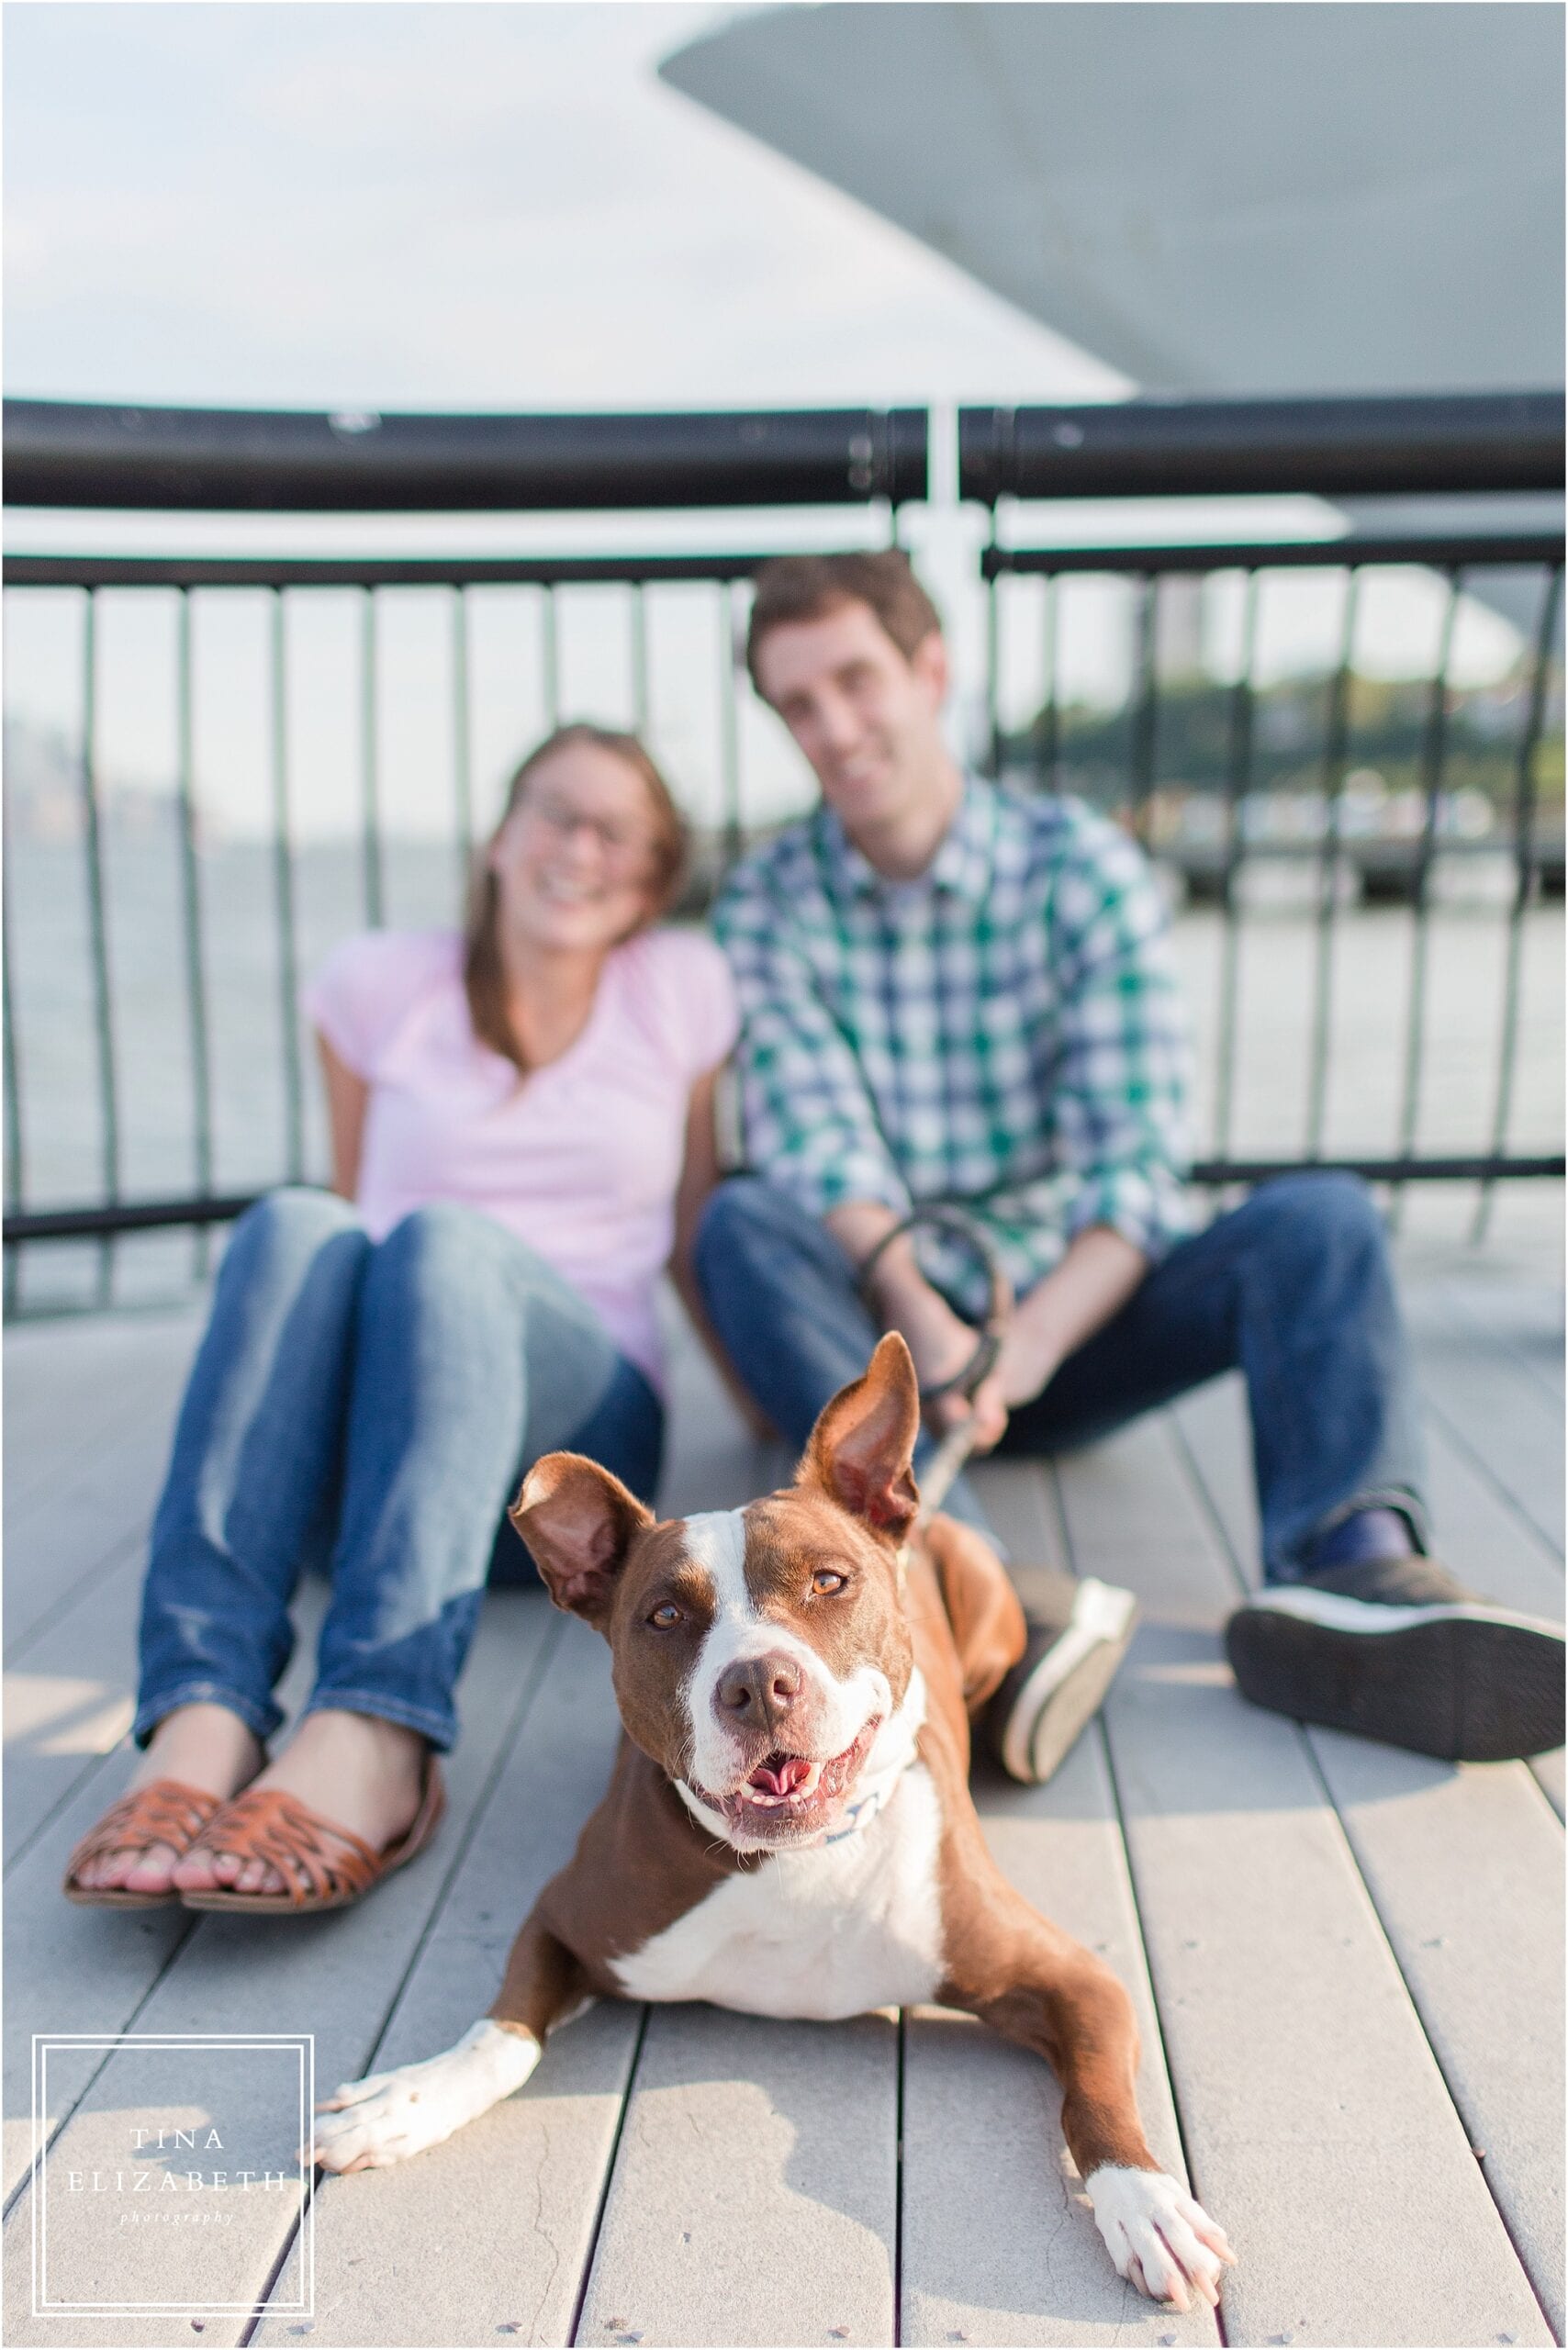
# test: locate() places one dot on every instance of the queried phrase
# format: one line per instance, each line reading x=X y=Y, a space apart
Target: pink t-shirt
x=582 y=1158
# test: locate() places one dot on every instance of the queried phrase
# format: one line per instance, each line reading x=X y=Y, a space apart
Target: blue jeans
x=1293 y=1288
x=371 y=1408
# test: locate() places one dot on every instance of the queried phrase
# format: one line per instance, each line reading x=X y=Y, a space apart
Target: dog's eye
x=666 y=1617
x=825 y=1582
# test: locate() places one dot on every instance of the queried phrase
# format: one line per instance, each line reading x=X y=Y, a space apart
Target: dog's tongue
x=782 y=1776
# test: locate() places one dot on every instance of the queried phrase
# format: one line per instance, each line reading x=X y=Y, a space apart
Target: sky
x=449 y=206
x=393 y=204
x=462 y=205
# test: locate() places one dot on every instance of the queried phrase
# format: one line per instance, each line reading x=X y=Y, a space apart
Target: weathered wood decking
x=1347 y=1960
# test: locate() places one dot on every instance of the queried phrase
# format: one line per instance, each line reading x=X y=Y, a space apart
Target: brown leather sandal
x=166 y=1811
x=326 y=1867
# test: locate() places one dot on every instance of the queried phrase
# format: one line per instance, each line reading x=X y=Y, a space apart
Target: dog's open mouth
x=792 y=1796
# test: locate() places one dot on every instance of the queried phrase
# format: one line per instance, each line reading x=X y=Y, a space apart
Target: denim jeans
x=1293 y=1288
x=369 y=1407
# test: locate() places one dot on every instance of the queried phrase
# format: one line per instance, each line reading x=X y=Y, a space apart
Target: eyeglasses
x=627 y=844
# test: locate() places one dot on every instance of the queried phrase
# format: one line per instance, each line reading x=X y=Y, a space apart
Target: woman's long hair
x=484 y=977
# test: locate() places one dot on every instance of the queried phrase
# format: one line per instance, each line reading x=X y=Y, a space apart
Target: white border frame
x=303 y=2045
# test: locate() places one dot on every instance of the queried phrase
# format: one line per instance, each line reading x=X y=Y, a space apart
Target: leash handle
x=960 y=1442
x=999 y=1298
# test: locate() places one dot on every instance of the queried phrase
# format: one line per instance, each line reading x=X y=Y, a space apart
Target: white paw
x=1159 y=2239
x=366 y=2125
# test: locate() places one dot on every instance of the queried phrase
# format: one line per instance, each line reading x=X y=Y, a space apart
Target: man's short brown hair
x=808 y=586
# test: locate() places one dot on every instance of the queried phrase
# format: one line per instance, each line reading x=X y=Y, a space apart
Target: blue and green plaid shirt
x=1004 y=1032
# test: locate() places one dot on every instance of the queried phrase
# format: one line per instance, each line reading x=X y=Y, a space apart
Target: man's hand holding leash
x=973 y=1380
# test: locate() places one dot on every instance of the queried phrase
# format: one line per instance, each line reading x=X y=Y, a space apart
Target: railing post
x=190 y=879
x=103 y=1010
x=729 y=724
x=1432 y=751
x=1524 y=875
x=283 y=882
x=462 y=739
x=1336 y=738
x=15 y=1182
x=1239 y=772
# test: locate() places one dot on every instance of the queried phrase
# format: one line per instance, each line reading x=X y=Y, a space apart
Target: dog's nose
x=759 y=1690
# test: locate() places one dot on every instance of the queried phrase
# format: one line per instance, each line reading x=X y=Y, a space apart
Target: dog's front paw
x=368 y=2124
x=1159 y=2239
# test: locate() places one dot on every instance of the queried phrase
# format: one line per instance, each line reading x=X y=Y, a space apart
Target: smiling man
x=955 y=993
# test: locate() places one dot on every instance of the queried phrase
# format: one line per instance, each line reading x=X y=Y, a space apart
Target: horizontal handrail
x=83 y=454
x=124 y=1215
x=62 y=452
x=1404 y=1169
x=1437 y=445
x=152 y=1215
x=1440 y=551
x=1451 y=551
x=372 y=571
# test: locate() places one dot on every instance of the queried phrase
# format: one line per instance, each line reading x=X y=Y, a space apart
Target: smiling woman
x=522 y=1138
x=589 y=821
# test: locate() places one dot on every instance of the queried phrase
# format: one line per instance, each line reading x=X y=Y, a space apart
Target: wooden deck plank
x=1524 y=1317
x=483 y=2240
x=47 y=1434
x=493 y=2230
x=712 y=1460
x=70 y=1702
x=71 y=1384
x=733 y=2115
x=1290 y=2036
x=997 y=2243
x=335 y=1976
x=63 y=1545
x=1465 y=1869
x=1485 y=1542
x=1495 y=1410
x=1019 y=1498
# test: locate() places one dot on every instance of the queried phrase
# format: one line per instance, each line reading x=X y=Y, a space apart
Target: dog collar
x=869 y=1799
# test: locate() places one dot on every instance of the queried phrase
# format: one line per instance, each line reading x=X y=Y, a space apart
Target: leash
x=960 y=1442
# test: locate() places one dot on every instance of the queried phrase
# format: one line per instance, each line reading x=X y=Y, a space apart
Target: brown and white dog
x=789 y=1829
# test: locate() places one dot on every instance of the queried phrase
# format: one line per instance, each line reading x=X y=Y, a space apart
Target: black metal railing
x=237 y=461
x=110 y=1183
x=1403 y=869
x=1442 y=446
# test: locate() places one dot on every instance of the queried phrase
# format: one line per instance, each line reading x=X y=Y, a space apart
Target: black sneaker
x=1395 y=1649
x=1078 y=1636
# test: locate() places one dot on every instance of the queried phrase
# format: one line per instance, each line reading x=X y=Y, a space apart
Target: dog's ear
x=578 y=1521
x=861 y=1451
